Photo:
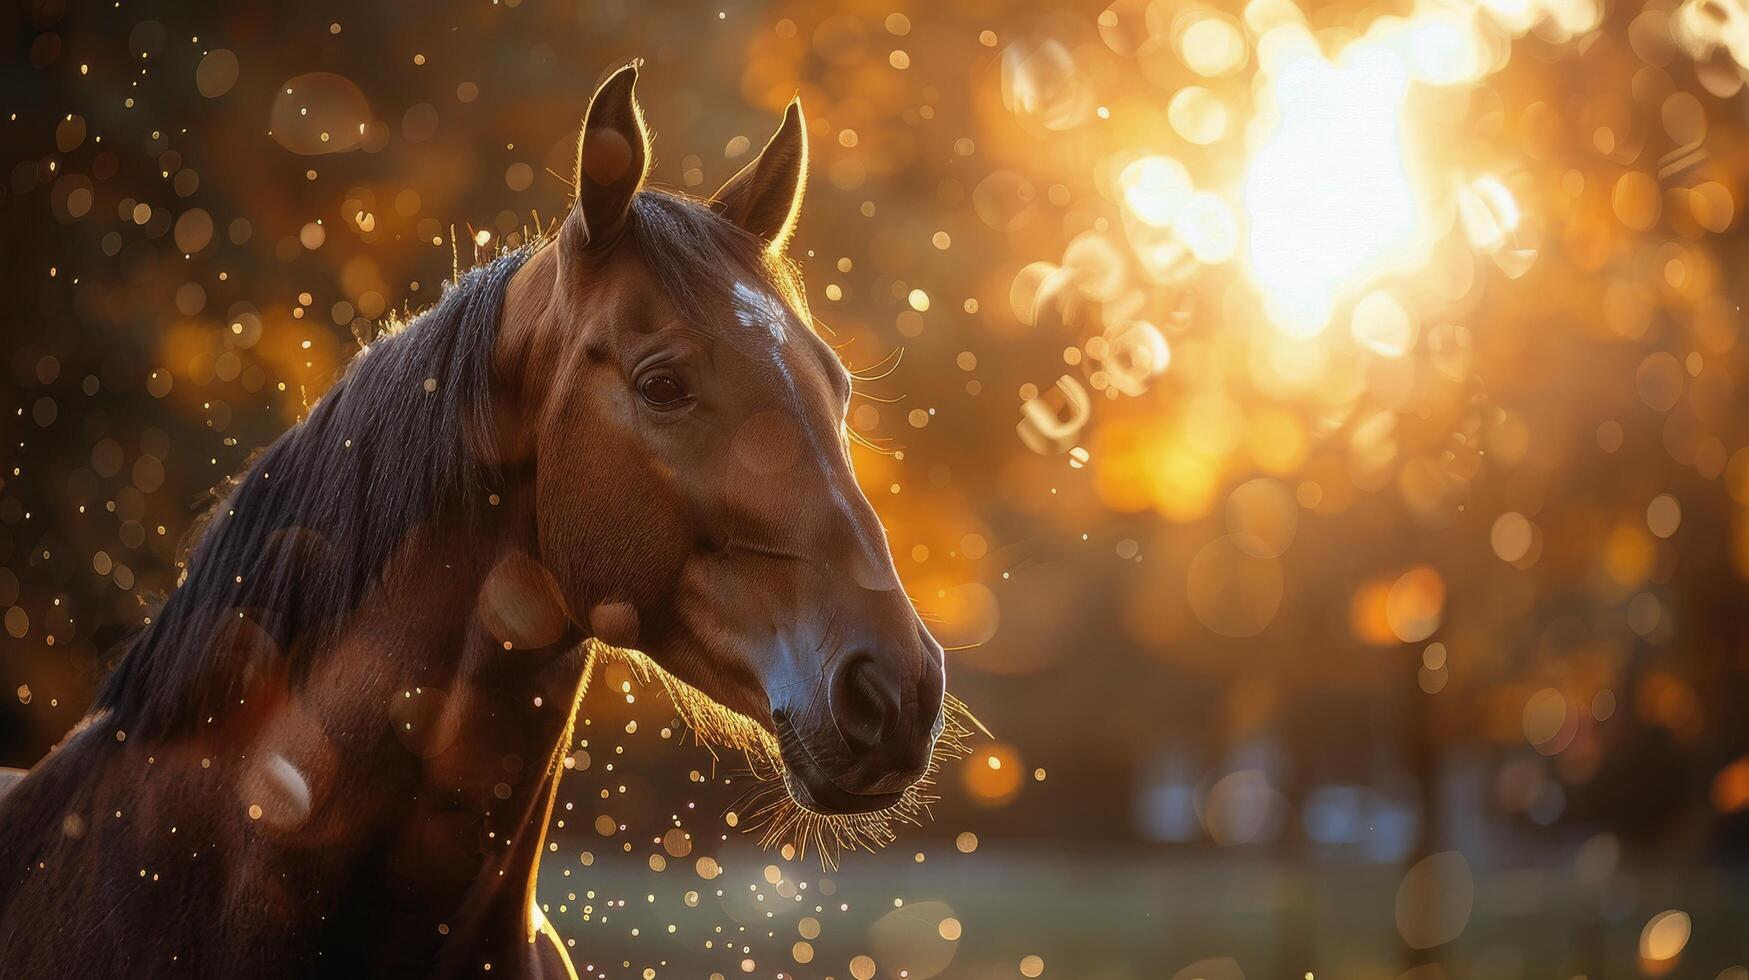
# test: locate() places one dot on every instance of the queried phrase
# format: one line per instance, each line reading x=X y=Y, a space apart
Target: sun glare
x=1338 y=191
x=1329 y=194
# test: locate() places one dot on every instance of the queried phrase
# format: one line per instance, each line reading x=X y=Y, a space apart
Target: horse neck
x=467 y=667
x=429 y=737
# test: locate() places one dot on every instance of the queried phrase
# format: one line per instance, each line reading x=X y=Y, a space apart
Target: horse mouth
x=812 y=789
x=796 y=803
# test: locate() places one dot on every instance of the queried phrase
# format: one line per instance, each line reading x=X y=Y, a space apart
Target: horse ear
x=613 y=157
x=765 y=198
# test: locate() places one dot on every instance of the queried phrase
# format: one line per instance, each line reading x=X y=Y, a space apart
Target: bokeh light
x=1314 y=430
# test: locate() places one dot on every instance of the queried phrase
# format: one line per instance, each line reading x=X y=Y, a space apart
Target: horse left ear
x=613 y=157
x=765 y=198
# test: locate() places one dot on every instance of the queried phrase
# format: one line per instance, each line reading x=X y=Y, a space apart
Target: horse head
x=694 y=492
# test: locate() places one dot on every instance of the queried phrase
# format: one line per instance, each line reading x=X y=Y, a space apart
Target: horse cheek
x=608 y=531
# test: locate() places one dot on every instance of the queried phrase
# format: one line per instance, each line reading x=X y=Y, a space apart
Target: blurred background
x=1314 y=429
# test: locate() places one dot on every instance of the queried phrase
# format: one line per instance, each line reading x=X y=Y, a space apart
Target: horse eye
x=661 y=391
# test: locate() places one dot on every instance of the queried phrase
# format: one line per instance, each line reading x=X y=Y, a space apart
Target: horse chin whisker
x=869 y=444
x=770 y=808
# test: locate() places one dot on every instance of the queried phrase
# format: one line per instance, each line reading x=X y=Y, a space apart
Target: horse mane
x=308 y=526
x=298 y=538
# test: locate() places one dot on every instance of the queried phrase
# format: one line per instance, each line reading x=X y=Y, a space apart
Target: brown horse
x=335 y=749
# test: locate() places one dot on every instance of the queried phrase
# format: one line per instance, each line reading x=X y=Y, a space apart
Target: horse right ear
x=613 y=157
x=765 y=198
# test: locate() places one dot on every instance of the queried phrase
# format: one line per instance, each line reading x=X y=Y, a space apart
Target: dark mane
x=312 y=521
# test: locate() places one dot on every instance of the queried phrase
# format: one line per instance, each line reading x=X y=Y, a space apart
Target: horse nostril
x=865 y=703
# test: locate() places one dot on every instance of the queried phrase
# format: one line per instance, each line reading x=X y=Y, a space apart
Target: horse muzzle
x=871 y=736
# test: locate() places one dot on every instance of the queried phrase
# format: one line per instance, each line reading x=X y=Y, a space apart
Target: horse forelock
x=697 y=256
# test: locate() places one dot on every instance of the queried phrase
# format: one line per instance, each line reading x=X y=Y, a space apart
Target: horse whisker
x=896 y=356
x=771 y=811
x=859 y=393
x=867 y=443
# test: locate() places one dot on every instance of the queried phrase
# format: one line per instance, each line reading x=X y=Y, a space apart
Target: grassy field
x=1117 y=916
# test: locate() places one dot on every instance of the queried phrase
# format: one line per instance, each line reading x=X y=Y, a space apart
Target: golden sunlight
x=1329 y=196
x=540 y=480
x=1336 y=195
